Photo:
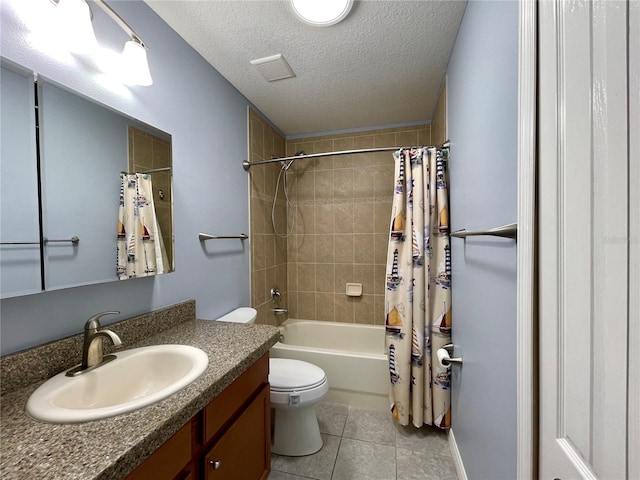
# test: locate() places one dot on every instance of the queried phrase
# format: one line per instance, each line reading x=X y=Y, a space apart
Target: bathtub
x=351 y=355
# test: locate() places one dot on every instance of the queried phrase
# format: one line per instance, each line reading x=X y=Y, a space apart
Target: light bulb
x=135 y=68
x=75 y=28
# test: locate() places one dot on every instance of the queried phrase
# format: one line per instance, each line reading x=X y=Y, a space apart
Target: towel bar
x=506 y=231
x=205 y=236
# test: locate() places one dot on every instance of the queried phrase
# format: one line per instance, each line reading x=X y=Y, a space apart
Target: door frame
x=526 y=328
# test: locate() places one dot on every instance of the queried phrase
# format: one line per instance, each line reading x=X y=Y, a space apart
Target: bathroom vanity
x=216 y=427
x=228 y=439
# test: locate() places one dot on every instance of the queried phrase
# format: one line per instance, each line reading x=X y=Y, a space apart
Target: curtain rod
x=153 y=170
x=247 y=164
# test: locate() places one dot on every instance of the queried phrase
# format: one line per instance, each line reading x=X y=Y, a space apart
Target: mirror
x=80 y=150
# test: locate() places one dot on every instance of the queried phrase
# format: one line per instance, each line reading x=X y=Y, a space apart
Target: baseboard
x=457 y=459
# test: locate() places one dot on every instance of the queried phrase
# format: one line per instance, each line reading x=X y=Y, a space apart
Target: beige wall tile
x=363 y=274
x=256 y=137
x=292 y=276
x=384 y=140
x=324 y=186
x=306 y=305
x=344 y=275
x=325 y=307
x=343 y=218
x=259 y=257
x=305 y=185
x=307 y=248
x=305 y=219
x=344 y=213
x=363 y=248
x=343 y=180
x=269 y=250
x=363 y=217
x=383 y=181
x=378 y=310
x=382 y=217
x=269 y=253
x=424 y=137
x=363 y=311
x=325 y=274
x=344 y=248
x=270 y=281
x=281 y=278
x=380 y=275
x=325 y=219
x=306 y=277
x=292 y=305
x=292 y=248
x=407 y=139
x=281 y=251
x=344 y=308
x=323 y=146
x=260 y=286
x=325 y=251
x=380 y=248
x=363 y=182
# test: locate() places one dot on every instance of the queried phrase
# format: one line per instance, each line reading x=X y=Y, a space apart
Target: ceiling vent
x=274 y=67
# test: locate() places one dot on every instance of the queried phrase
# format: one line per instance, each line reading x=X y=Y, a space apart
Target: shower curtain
x=418 y=289
x=139 y=241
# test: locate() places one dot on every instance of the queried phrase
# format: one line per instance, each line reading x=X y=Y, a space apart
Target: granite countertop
x=113 y=447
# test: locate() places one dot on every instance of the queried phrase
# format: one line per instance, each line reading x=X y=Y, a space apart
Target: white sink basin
x=136 y=378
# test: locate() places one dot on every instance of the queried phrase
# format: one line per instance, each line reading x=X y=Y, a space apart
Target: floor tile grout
x=373 y=424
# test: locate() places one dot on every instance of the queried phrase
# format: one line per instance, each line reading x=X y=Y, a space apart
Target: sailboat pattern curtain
x=139 y=252
x=418 y=289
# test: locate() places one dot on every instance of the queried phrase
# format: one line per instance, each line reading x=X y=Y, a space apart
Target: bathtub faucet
x=275 y=293
x=279 y=311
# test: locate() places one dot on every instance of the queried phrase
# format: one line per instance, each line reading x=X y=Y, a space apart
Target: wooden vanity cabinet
x=230 y=439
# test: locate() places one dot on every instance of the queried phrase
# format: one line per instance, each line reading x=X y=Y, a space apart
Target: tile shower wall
x=268 y=250
x=342 y=208
x=146 y=152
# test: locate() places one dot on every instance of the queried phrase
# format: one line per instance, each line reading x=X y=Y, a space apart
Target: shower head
x=286 y=165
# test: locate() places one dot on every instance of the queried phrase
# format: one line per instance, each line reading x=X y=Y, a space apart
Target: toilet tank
x=240 y=315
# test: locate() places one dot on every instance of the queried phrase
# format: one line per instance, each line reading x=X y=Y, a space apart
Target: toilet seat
x=289 y=377
x=286 y=374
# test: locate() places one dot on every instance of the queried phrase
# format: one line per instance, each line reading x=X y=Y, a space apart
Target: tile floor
x=362 y=444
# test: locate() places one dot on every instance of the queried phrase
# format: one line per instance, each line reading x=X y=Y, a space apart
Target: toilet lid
x=288 y=374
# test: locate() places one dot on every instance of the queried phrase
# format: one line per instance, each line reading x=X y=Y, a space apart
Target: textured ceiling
x=382 y=65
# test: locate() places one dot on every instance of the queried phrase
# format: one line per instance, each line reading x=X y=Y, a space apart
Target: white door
x=588 y=129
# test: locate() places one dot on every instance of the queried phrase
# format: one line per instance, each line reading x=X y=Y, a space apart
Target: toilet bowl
x=295 y=387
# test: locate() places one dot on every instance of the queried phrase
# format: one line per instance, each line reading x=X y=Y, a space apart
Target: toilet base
x=295 y=431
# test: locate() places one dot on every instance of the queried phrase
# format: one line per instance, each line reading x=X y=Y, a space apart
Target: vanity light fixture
x=74 y=18
x=77 y=14
x=321 y=13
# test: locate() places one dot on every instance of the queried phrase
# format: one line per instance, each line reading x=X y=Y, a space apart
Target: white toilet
x=295 y=387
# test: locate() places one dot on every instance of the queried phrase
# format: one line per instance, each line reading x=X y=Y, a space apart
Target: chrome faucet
x=92 y=348
x=274 y=293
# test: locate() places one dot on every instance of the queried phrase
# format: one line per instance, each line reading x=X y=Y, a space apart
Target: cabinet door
x=244 y=451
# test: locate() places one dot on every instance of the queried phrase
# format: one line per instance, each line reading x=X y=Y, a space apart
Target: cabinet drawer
x=168 y=460
x=223 y=407
x=243 y=452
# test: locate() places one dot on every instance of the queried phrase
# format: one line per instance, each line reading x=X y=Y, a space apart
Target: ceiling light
x=321 y=13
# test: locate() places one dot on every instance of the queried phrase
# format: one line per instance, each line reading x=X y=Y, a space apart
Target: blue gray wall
x=482 y=125
x=207 y=119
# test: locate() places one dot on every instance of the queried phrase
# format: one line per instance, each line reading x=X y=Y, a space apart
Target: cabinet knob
x=215 y=464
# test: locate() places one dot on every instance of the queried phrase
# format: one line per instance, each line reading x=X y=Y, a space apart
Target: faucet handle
x=94 y=321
